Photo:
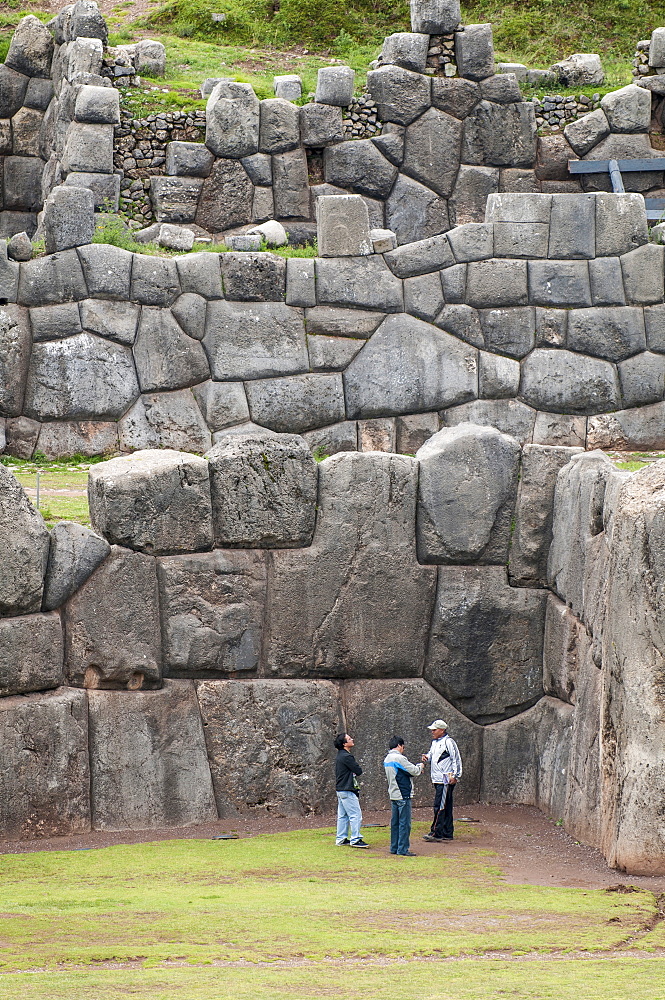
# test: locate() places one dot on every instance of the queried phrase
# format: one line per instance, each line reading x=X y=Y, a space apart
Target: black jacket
x=346 y=767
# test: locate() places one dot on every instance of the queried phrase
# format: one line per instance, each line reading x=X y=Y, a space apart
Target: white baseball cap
x=438 y=724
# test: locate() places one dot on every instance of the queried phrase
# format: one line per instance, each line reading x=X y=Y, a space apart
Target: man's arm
x=413 y=769
x=353 y=764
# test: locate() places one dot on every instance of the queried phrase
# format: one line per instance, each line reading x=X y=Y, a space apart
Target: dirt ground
x=530 y=848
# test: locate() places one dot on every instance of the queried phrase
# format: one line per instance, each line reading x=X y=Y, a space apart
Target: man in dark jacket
x=349 y=813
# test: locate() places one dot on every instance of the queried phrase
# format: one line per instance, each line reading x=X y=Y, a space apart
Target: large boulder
x=486 y=648
x=15 y=344
x=31 y=48
x=414 y=211
x=152 y=501
x=148 y=760
x=582 y=69
x=164 y=420
x=264 y=490
x=24 y=546
x=232 y=120
x=466 y=495
x=339 y=608
x=75 y=554
x=254 y=340
x=226 y=196
x=432 y=149
x=564 y=382
x=360 y=166
x=30 y=654
x=400 y=94
x=166 y=358
x=299 y=403
x=502 y=135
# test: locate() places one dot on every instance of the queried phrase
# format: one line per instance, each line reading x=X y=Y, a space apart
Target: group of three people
x=445 y=769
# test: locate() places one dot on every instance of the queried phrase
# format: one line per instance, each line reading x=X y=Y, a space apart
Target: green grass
x=65 y=474
x=291 y=915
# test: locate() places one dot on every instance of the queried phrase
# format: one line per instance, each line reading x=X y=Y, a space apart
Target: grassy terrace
x=290 y=916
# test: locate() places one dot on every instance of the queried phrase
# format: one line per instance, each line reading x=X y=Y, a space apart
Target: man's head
x=438 y=729
x=343 y=742
x=396 y=743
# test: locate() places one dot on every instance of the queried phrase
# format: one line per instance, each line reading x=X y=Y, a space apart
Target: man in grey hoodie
x=400 y=773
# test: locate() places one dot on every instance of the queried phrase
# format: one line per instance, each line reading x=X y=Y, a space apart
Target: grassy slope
x=343 y=923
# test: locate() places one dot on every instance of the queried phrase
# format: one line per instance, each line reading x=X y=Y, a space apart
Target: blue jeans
x=400 y=826
x=349 y=817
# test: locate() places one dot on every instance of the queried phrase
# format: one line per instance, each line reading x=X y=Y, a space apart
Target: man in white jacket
x=400 y=773
x=445 y=769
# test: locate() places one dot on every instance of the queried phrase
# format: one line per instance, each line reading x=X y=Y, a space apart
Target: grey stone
x=502 y=89
x=112 y=636
x=361 y=166
x=222 y=404
x=486 y=647
x=253 y=277
x=572 y=226
x=391 y=143
x=321 y=125
x=587 y=131
x=296 y=404
x=621 y=146
x=414 y=212
x=166 y=358
x=500 y=135
x=232 y=120
x=241 y=714
x=473 y=187
x=518 y=70
x=213 y=607
x=607 y=333
x=421 y=257
x=83 y=57
x=55 y=322
x=190 y=311
x=326 y=441
x=75 y=554
x=69 y=438
x=164 y=420
x=364 y=282
x=31 y=48
x=226 y=197
x=88 y=148
x=105 y=188
x=115 y=320
x=188 y=159
x=642 y=379
x=243 y=242
x=511 y=207
x=264 y=491
x=432 y=150
x=254 y=340
x=435 y=17
x=532 y=536
x=342 y=224
x=175 y=199
x=15 y=344
x=24 y=542
x=300 y=282
x=496 y=283
x=606 y=282
x=559 y=283
x=279 y=125
x=383 y=240
x=69 y=218
x=45 y=792
x=643 y=274
x=518 y=180
x=108 y=270
x=21 y=435
x=628 y=109
x=400 y=94
x=288 y=86
x=407 y=49
x=148 y=760
x=498 y=377
x=560 y=650
x=26 y=127
x=553 y=154
x=199 y=273
x=331 y=353
x=466 y=495
x=154 y=281
x=320 y=594
x=150 y=57
x=582 y=69
x=81 y=377
x=423 y=296
x=334 y=85
x=156 y=502
x=656 y=48
x=507 y=415
x=19 y=247
x=560 y=381
x=290 y=185
x=409 y=366
x=654 y=319
x=414 y=430
x=374 y=707
x=640 y=429
x=13 y=87
x=474 y=51
x=559 y=429
x=30 y=654
x=656 y=84
x=86 y=20
x=22 y=183
x=97 y=106
x=379 y=434
x=521 y=239
x=328 y=321
x=272 y=232
x=620 y=224
x=453 y=283
x=175 y=237
x=462 y=321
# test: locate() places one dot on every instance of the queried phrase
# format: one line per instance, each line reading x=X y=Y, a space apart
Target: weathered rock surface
x=561 y=381
x=30 y=654
x=24 y=546
x=14 y=357
x=165 y=420
x=148 y=760
x=254 y=340
x=298 y=403
x=561 y=652
x=166 y=358
x=74 y=554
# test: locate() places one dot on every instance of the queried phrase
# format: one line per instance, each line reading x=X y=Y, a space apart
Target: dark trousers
x=400 y=826
x=442 y=826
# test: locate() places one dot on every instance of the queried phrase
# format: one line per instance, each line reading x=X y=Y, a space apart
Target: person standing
x=349 y=813
x=445 y=770
x=400 y=773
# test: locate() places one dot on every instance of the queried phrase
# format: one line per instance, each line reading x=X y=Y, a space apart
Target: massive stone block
x=486 y=646
x=279 y=125
x=500 y=135
x=14 y=356
x=45 y=777
x=24 y=545
x=270 y=745
x=31 y=48
x=359 y=165
x=375 y=710
x=80 y=377
x=166 y=358
x=613 y=334
x=232 y=120
x=112 y=637
x=508 y=415
x=474 y=51
x=165 y=420
x=75 y=553
x=108 y=271
x=364 y=282
x=290 y=185
x=175 y=199
x=256 y=340
x=30 y=654
x=466 y=495
x=409 y=367
x=226 y=197
x=253 y=277
x=264 y=490
x=400 y=94
x=53 y=279
x=298 y=403
x=153 y=501
x=148 y=760
x=212 y=608
x=339 y=608
x=563 y=382
x=532 y=535
x=432 y=149
x=561 y=650
x=414 y=211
